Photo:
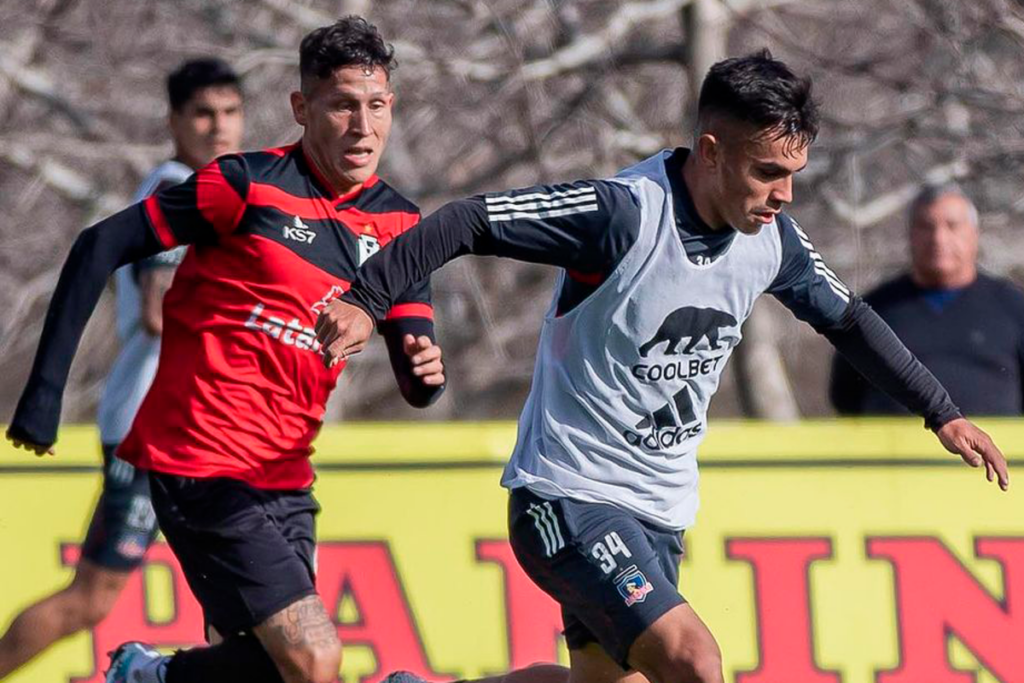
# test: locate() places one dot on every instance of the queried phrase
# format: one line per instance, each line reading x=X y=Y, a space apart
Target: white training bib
x=623 y=381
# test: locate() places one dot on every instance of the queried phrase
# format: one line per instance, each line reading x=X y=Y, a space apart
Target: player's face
x=208 y=125
x=944 y=243
x=347 y=120
x=753 y=176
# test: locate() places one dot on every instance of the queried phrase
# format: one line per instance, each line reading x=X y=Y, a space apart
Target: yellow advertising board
x=853 y=552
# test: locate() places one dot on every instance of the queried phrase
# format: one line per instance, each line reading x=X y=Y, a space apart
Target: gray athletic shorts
x=123 y=525
x=612 y=574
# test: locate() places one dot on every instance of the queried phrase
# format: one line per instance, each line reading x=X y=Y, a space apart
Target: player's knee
x=90 y=603
x=317 y=662
x=707 y=667
x=94 y=612
x=80 y=610
x=689 y=662
x=327 y=663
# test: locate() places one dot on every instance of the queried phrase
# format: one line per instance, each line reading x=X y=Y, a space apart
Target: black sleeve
x=584 y=227
x=846 y=387
x=414 y=391
x=874 y=350
x=124 y=237
x=805 y=284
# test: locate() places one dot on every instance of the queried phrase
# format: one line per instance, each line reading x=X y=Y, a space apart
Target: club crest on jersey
x=633 y=585
x=368 y=246
x=299 y=231
x=331 y=295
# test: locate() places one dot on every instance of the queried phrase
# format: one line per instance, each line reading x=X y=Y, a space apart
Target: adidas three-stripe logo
x=539 y=205
x=547 y=525
x=819 y=265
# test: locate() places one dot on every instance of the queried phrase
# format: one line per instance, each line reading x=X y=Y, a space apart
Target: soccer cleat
x=403 y=677
x=135 y=663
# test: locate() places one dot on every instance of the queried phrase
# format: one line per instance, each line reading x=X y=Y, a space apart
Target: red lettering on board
x=937 y=596
x=533 y=620
x=363 y=572
x=781 y=569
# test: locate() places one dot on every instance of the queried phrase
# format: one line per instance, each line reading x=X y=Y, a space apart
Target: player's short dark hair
x=762 y=91
x=196 y=74
x=351 y=41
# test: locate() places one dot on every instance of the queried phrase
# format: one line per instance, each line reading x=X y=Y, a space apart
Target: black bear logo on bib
x=690 y=323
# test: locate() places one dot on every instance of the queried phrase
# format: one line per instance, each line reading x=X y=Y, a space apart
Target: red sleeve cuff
x=410 y=311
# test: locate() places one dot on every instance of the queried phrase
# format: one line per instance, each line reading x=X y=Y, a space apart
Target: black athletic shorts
x=247 y=553
x=123 y=526
x=612 y=574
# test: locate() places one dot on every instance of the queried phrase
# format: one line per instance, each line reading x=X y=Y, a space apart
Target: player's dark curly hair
x=351 y=41
x=196 y=74
x=762 y=91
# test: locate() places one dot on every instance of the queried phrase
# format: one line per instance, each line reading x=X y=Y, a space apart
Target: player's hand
x=342 y=330
x=425 y=357
x=976 y=447
x=39 y=449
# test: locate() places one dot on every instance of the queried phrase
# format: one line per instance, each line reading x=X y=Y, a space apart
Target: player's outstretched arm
x=98 y=251
x=817 y=296
x=878 y=354
x=976 y=448
x=585 y=226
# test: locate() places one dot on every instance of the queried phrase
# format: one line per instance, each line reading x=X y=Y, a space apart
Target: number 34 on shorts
x=594 y=544
x=604 y=551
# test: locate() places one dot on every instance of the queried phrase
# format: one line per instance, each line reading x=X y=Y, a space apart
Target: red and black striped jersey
x=241 y=389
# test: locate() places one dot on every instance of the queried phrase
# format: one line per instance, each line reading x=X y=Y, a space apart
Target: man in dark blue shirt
x=965 y=326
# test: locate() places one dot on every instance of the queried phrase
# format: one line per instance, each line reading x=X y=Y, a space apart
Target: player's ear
x=299 y=111
x=709 y=150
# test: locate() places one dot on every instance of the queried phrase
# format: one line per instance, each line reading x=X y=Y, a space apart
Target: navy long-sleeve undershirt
x=590 y=240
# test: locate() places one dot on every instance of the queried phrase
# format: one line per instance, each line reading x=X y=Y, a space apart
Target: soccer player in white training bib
x=660 y=267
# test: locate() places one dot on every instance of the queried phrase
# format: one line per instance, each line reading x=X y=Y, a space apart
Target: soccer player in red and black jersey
x=205 y=120
x=241 y=390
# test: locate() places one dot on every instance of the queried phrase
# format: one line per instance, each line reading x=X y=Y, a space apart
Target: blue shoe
x=403 y=677
x=136 y=663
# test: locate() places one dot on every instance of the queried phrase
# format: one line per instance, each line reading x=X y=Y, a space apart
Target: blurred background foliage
x=494 y=94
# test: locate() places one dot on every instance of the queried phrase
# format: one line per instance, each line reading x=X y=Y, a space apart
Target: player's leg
x=85 y=602
x=297 y=645
x=301 y=638
x=615 y=578
x=122 y=529
x=678 y=647
x=303 y=642
x=248 y=558
x=535 y=673
x=591 y=664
